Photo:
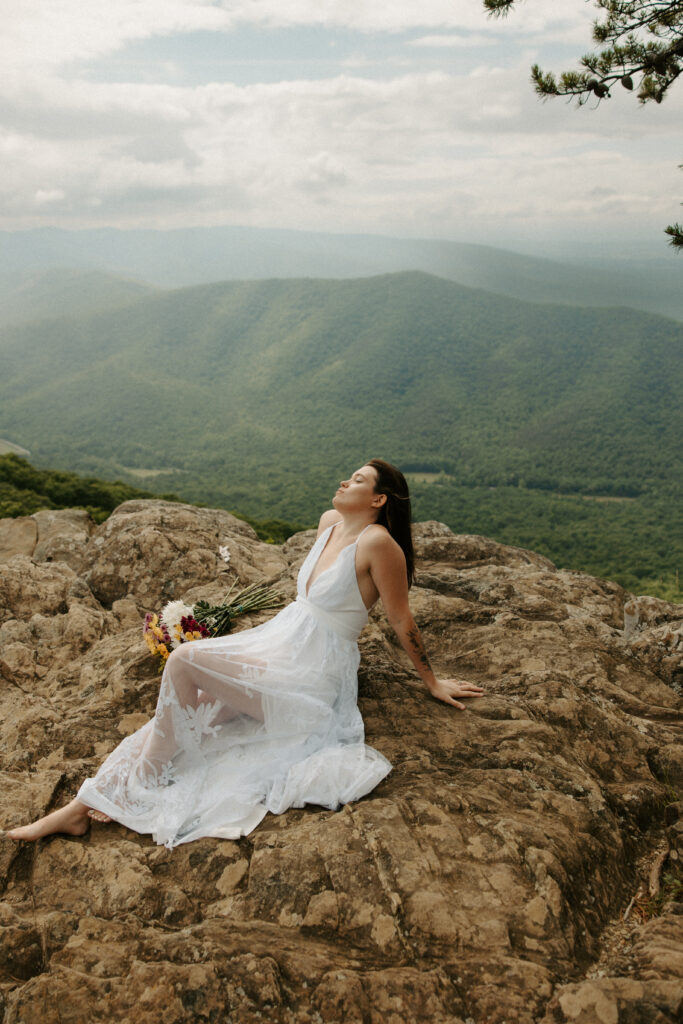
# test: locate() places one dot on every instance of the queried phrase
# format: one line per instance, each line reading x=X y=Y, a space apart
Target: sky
x=412 y=119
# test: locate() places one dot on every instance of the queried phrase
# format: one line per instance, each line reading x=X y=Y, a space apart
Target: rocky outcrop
x=484 y=881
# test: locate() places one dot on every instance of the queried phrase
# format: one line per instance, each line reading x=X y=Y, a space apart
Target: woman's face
x=358 y=492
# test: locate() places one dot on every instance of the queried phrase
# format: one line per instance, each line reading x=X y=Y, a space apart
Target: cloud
x=441 y=42
x=393 y=16
x=48 y=195
x=435 y=149
x=38 y=36
x=470 y=146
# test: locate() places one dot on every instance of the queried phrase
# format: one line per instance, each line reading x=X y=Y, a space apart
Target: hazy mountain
x=260 y=393
x=35 y=294
x=199 y=255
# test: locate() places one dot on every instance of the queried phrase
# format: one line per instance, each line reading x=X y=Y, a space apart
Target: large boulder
x=485 y=880
x=159 y=550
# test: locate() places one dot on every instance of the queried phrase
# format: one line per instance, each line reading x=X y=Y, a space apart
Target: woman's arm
x=388 y=571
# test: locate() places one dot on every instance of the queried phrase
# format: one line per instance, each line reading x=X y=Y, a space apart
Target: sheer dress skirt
x=253 y=722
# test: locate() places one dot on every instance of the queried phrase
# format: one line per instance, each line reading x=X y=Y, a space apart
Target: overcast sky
x=413 y=119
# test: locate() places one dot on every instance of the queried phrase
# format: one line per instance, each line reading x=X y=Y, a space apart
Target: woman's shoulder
x=376 y=532
x=380 y=553
x=376 y=538
x=328 y=518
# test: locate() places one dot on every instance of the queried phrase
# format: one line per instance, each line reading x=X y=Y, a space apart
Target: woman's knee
x=179 y=670
x=179 y=656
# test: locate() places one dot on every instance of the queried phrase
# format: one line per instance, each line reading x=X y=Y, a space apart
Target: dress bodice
x=334 y=597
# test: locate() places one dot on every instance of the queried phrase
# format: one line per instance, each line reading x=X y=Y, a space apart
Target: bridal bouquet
x=180 y=623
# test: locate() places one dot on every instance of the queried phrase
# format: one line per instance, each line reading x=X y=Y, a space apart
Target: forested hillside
x=24 y=489
x=259 y=396
x=489 y=390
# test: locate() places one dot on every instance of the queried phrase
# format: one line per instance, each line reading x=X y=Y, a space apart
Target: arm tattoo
x=415 y=641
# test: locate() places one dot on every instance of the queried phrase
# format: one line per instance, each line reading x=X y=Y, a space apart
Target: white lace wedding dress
x=275 y=723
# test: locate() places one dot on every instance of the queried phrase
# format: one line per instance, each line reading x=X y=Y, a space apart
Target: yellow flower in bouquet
x=181 y=623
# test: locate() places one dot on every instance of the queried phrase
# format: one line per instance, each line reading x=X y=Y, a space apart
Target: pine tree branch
x=638 y=38
x=676 y=233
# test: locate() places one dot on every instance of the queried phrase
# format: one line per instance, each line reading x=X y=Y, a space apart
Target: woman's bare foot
x=100 y=816
x=72 y=820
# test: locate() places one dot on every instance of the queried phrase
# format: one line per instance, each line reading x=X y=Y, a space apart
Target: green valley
x=258 y=396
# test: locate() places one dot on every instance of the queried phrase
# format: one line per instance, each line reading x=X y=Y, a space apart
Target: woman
x=267 y=719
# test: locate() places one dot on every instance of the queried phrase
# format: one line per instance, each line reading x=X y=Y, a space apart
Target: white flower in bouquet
x=171 y=614
x=224 y=552
x=203 y=620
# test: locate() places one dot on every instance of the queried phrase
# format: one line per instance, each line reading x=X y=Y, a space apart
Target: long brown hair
x=395 y=512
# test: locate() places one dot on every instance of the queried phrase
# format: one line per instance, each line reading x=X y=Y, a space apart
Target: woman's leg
x=72 y=820
x=206 y=676
x=194 y=677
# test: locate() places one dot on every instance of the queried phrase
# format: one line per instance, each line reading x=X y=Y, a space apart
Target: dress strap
x=330 y=528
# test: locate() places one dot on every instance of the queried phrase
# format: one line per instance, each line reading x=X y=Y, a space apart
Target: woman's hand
x=447 y=689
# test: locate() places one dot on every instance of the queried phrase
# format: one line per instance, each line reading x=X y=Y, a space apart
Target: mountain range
x=175 y=258
x=261 y=394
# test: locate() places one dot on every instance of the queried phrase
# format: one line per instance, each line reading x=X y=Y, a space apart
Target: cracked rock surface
x=475 y=885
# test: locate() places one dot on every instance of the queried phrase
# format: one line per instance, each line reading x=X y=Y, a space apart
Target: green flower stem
x=218 y=619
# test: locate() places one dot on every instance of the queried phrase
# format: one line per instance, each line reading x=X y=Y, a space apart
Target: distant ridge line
x=181 y=257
